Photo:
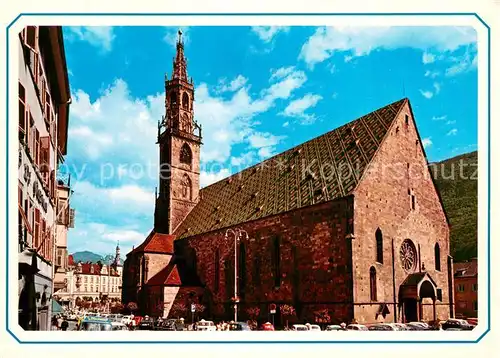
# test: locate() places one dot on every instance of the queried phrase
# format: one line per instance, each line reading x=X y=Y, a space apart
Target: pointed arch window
x=217 y=270
x=186 y=124
x=185 y=101
x=373 y=284
x=276 y=260
x=186 y=188
x=175 y=123
x=173 y=98
x=186 y=155
x=380 y=246
x=437 y=257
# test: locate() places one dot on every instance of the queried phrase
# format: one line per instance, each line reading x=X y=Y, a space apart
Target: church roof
x=283 y=182
x=465 y=269
x=169 y=276
x=156 y=243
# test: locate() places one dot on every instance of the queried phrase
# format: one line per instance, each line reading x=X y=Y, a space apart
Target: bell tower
x=179 y=138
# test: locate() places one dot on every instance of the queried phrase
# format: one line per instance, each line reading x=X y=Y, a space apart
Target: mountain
x=456 y=179
x=86 y=256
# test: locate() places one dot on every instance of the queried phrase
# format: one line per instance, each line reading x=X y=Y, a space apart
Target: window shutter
x=37 y=147
x=45 y=155
x=31 y=38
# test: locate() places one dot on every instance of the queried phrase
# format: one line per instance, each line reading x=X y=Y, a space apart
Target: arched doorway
x=415 y=288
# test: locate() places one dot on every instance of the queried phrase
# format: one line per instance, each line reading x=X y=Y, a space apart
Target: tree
x=178 y=309
x=287 y=311
x=117 y=308
x=132 y=307
x=322 y=316
x=253 y=312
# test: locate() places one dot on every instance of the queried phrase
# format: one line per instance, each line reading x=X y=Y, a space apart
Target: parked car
x=333 y=327
x=239 y=326
x=95 y=324
x=399 y=326
x=170 y=325
x=460 y=324
x=118 y=326
x=299 y=327
x=382 y=327
x=313 y=327
x=417 y=326
x=127 y=319
x=267 y=327
x=147 y=324
x=357 y=327
x=205 y=326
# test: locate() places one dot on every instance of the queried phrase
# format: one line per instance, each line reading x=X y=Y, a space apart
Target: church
x=348 y=226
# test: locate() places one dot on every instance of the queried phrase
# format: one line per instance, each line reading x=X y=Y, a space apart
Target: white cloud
x=437 y=87
x=427 y=94
x=335 y=95
x=267 y=33
x=172 y=35
x=124 y=236
x=454 y=131
x=98 y=36
x=207 y=178
x=463 y=63
x=428 y=58
x=243 y=160
x=227 y=122
x=427 y=142
x=109 y=127
x=234 y=85
x=298 y=107
x=286 y=124
x=260 y=140
x=439 y=118
x=360 y=41
x=451 y=122
x=431 y=74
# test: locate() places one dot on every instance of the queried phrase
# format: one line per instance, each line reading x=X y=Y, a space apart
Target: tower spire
x=180 y=66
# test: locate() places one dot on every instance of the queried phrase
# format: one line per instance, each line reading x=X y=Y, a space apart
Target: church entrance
x=415 y=288
x=410 y=310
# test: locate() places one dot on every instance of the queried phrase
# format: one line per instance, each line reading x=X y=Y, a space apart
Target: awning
x=56 y=307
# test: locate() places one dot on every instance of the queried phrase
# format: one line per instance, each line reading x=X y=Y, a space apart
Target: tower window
x=407 y=119
x=185 y=101
x=175 y=123
x=186 y=155
x=186 y=189
x=380 y=246
x=173 y=98
x=373 y=284
x=437 y=257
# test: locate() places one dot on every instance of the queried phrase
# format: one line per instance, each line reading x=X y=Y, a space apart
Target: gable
x=323 y=169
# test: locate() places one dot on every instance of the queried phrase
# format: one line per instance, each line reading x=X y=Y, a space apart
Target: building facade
x=65 y=221
x=92 y=282
x=347 y=226
x=466 y=288
x=44 y=98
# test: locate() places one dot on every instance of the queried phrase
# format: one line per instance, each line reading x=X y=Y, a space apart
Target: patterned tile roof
x=156 y=243
x=283 y=183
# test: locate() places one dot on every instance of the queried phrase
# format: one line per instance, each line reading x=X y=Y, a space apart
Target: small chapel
x=348 y=226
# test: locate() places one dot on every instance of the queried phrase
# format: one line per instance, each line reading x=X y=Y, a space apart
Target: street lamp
x=238 y=234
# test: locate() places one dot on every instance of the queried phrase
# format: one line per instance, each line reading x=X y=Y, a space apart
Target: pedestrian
x=343 y=326
x=64 y=325
x=54 y=323
x=59 y=321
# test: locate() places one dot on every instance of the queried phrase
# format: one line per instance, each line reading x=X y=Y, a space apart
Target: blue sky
x=258 y=92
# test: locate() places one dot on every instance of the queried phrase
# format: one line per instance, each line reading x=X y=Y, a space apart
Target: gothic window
x=185 y=101
x=186 y=124
x=186 y=156
x=380 y=246
x=408 y=255
x=373 y=284
x=256 y=273
x=186 y=187
x=173 y=99
x=217 y=270
x=242 y=269
x=276 y=262
x=437 y=257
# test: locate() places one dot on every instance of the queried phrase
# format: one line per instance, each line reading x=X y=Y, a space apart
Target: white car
x=205 y=326
x=118 y=326
x=357 y=327
x=313 y=327
x=299 y=327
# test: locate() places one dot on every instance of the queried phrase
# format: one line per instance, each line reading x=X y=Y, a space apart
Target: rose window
x=408 y=255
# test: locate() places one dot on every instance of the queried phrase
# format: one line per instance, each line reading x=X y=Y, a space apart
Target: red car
x=267 y=327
